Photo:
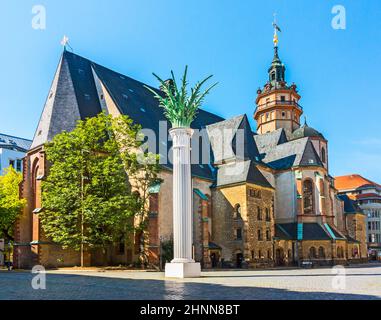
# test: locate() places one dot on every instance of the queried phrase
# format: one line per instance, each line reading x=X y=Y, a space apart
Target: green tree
x=10 y=202
x=87 y=198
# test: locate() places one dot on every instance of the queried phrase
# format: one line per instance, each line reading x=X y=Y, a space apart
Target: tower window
x=323 y=155
x=282 y=98
x=273 y=76
x=237 y=211
x=239 y=234
x=259 y=233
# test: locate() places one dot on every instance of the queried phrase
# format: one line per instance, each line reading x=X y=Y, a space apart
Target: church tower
x=277 y=103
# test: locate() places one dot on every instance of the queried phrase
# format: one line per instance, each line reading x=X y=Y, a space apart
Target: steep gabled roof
x=300 y=152
x=74 y=96
x=240 y=172
x=270 y=140
x=226 y=135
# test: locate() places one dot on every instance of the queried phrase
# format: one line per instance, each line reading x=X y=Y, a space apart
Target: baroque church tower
x=277 y=103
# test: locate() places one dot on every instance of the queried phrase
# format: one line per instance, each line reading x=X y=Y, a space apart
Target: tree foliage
x=181 y=108
x=87 y=197
x=10 y=202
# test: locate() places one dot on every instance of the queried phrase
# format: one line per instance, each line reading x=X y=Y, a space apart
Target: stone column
x=183 y=265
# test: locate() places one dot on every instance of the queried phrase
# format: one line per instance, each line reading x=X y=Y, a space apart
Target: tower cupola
x=277 y=102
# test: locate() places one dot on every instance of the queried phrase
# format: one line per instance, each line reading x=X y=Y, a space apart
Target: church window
x=239 y=234
x=321 y=253
x=268 y=235
x=259 y=214
x=283 y=114
x=237 y=211
x=340 y=252
x=273 y=76
x=323 y=156
x=313 y=253
x=308 y=188
x=259 y=233
x=268 y=218
x=282 y=98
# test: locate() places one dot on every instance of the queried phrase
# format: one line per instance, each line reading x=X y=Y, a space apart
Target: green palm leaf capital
x=180 y=108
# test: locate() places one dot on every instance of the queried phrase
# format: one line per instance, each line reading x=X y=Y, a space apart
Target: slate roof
x=239 y=172
x=74 y=96
x=14 y=143
x=226 y=135
x=294 y=153
x=350 y=206
x=311 y=231
x=270 y=140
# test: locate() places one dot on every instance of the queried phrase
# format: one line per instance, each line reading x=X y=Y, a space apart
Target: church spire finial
x=276 y=29
x=65 y=43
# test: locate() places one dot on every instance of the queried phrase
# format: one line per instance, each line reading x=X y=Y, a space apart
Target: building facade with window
x=263 y=198
x=367 y=195
x=12 y=152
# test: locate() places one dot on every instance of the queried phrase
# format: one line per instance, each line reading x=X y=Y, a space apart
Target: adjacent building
x=367 y=196
x=264 y=198
x=12 y=152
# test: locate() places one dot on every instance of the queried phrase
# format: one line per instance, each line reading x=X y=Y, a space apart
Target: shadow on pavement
x=17 y=286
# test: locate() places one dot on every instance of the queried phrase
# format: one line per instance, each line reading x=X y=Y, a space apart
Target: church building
x=268 y=201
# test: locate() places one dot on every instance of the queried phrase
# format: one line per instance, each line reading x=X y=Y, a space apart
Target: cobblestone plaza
x=287 y=284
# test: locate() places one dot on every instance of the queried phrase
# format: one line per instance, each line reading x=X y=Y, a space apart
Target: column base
x=183 y=270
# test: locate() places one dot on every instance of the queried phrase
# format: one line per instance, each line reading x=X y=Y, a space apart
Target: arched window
x=290 y=258
x=323 y=155
x=259 y=214
x=308 y=196
x=340 y=252
x=260 y=254
x=237 y=211
x=312 y=253
x=321 y=253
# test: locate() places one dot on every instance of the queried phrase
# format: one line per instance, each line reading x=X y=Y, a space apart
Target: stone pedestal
x=183 y=265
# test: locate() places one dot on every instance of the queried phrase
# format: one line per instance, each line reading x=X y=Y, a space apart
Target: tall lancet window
x=323 y=155
x=308 y=196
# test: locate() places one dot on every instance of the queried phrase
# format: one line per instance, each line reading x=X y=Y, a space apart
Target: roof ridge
x=10 y=136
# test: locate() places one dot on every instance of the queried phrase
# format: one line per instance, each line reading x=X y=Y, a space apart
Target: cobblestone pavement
x=361 y=283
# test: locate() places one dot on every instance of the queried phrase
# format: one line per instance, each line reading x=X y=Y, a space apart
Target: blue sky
x=337 y=71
